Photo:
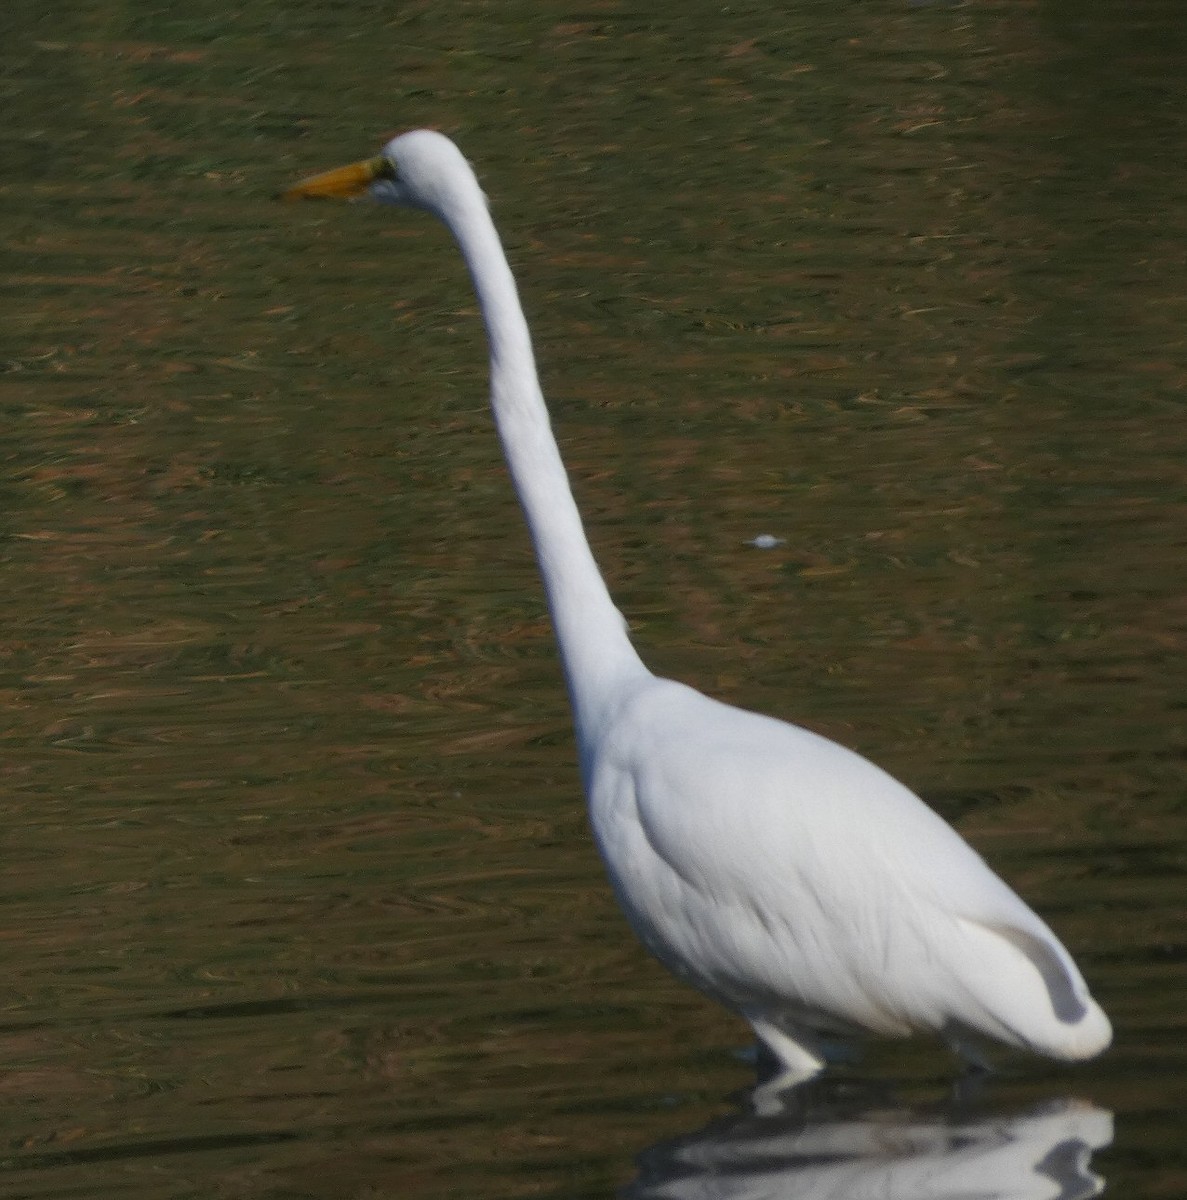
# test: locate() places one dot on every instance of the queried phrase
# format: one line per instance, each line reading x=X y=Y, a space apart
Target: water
x=299 y=899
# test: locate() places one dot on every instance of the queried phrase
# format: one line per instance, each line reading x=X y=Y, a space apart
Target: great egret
x=783 y=875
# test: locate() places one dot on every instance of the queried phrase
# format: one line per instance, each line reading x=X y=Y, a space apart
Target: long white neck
x=596 y=652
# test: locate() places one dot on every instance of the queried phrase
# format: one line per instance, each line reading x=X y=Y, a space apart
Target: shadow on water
x=840 y=1140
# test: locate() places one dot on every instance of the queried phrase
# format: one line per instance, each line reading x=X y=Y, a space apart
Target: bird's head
x=421 y=169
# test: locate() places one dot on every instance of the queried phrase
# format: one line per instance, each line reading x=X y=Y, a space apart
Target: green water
x=298 y=898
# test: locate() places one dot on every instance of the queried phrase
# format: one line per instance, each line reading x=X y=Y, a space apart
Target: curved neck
x=594 y=646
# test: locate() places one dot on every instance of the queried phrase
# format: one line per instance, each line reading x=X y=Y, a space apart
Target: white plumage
x=783 y=875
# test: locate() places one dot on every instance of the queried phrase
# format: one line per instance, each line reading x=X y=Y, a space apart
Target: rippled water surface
x=298 y=898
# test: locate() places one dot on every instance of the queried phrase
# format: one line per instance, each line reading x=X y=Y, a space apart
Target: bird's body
x=805 y=888
x=785 y=876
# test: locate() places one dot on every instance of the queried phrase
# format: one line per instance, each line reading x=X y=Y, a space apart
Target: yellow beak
x=343 y=183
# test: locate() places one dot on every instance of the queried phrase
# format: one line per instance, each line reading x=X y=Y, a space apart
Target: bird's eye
x=385 y=169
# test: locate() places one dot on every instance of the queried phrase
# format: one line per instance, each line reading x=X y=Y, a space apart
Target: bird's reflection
x=832 y=1142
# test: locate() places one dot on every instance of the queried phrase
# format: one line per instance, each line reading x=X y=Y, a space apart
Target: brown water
x=299 y=899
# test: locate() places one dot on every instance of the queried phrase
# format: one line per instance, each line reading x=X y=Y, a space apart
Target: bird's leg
x=969 y=1086
x=783 y=1064
x=970 y=1051
x=782 y=1057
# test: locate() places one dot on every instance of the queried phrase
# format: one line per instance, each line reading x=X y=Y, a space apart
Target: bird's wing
x=757 y=847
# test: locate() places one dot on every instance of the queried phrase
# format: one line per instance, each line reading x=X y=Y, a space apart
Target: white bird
x=778 y=872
